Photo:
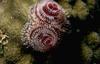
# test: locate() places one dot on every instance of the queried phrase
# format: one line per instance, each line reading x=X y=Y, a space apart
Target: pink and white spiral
x=45 y=24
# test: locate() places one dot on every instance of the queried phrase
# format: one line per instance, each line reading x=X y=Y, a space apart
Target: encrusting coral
x=12 y=18
x=78 y=9
x=14 y=15
x=90 y=47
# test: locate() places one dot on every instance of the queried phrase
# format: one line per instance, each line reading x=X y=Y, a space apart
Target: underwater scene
x=49 y=31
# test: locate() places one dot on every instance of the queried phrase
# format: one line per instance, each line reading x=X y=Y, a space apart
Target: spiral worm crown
x=45 y=24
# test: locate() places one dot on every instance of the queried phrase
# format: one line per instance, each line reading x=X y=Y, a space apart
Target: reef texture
x=43 y=29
